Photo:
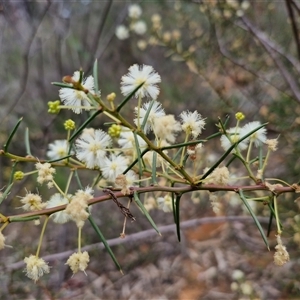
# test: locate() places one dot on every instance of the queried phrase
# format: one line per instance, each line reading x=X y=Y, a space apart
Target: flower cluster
x=78 y=261
x=281 y=255
x=136 y=25
x=156 y=148
x=35 y=267
x=77 y=209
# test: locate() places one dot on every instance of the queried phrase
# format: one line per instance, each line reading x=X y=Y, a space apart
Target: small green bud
x=19 y=175
x=69 y=124
x=239 y=116
x=114 y=130
x=53 y=107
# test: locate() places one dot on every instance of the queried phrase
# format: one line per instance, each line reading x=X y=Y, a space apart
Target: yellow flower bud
x=239 y=116
x=111 y=97
x=114 y=130
x=53 y=107
x=19 y=175
x=69 y=124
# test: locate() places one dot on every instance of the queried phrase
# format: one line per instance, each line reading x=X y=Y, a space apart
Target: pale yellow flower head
x=35 y=267
x=281 y=255
x=78 y=261
x=2 y=241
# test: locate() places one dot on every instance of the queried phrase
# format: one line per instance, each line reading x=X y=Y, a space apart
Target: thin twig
x=124 y=210
x=271 y=50
x=294 y=25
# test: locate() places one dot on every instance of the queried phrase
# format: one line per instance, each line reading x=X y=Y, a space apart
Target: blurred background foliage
x=218 y=57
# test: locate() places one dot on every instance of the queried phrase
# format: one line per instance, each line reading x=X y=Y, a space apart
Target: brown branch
x=244 y=66
x=271 y=49
x=182 y=189
x=98 y=34
x=294 y=25
x=142 y=235
x=24 y=78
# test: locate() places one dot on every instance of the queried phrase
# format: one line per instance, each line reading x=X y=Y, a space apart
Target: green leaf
x=136 y=160
x=147 y=115
x=103 y=240
x=59 y=159
x=254 y=218
x=145 y=212
x=12 y=172
x=271 y=206
x=63 y=85
x=228 y=151
x=139 y=156
x=177 y=215
x=273 y=213
x=128 y=97
x=95 y=75
x=24 y=219
x=84 y=125
x=6 y=145
x=27 y=143
x=153 y=175
x=78 y=180
x=6 y=192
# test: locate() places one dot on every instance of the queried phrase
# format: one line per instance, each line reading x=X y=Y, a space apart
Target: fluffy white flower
x=139 y=27
x=127 y=141
x=137 y=75
x=90 y=147
x=75 y=98
x=155 y=112
x=57 y=199
x=235 y=135
x=113 y=166
x=256 y=137
x=78 y=261
x=165 y=203
x=58 y=149
x=122 y=32
x=166 y=127
x=45 y=172
x=32 y=202
x=78 y=207
x=35 y=267
x=192 y=123
x=126 y=181
x=134 y=11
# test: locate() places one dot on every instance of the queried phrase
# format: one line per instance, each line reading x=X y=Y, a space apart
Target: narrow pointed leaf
x=95 y=75
x=270 y=221
x=84 y=125
x=272 y=211
x=6 y=145
x=24 y=219
x=63 y=85
x=254 y=218
x=145 y=212
x=103 y=240
x=128 y=97
x=6 y=193
x=59 y=159
x=228 y=151
x=177 y=216
x=27 y=143
x=139 y=156
x=147 y=115
x=153 y=175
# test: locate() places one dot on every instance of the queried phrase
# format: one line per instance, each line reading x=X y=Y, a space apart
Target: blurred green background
x=218 y=57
